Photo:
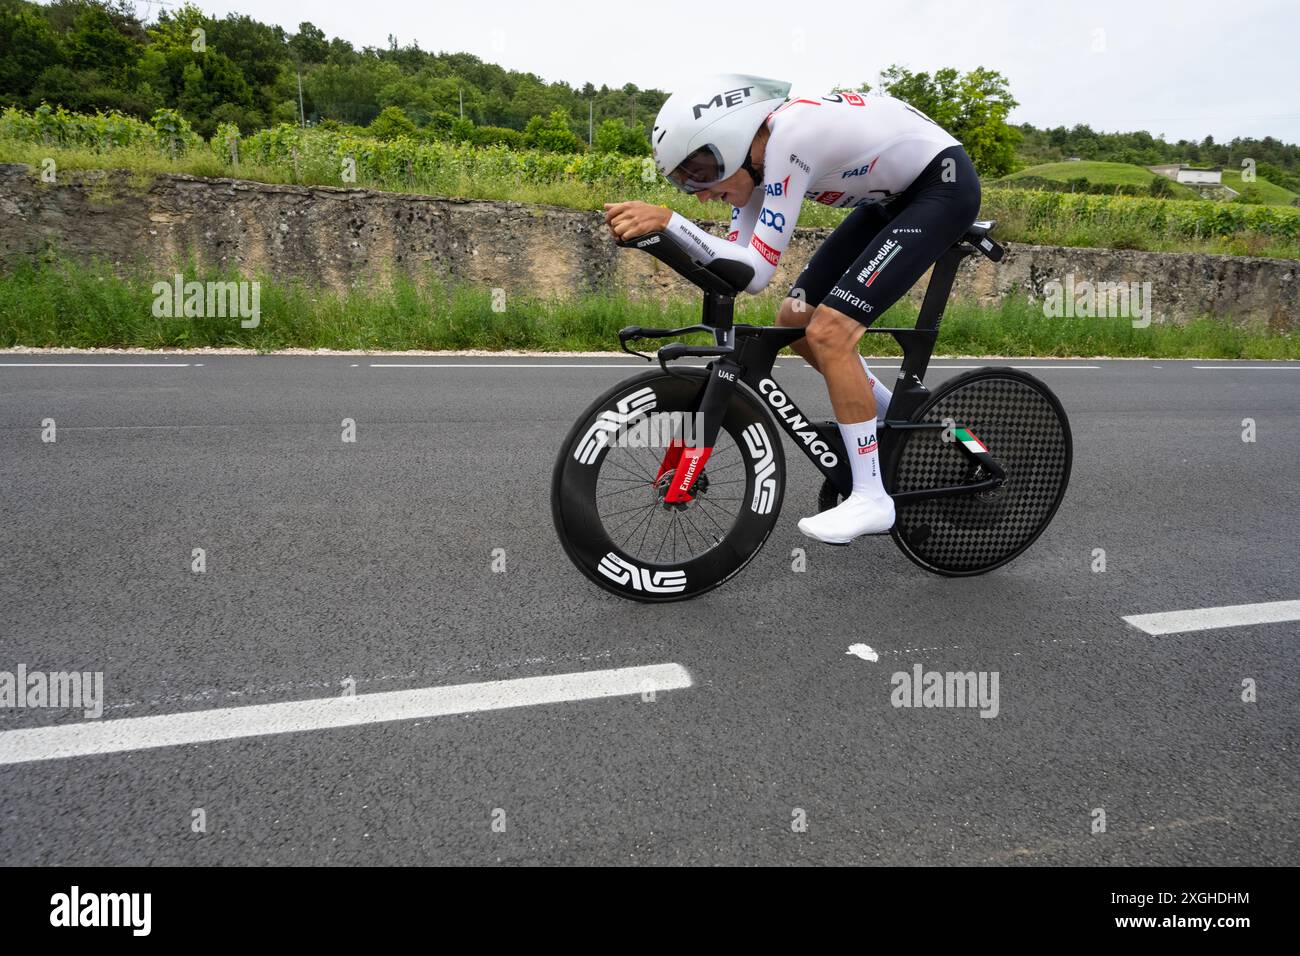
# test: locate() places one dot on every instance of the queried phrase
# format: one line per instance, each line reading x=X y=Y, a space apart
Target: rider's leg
x=869 y=509
x=927 y=219
x=795 y=314
x=824 y=269
x=833 y=337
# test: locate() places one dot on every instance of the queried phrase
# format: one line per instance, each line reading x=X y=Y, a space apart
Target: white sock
x=864 y=458
x=878 y=390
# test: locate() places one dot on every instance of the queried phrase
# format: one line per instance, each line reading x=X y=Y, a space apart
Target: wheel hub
x=663 y=485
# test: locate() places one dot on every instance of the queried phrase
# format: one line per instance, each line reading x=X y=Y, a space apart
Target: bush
x=462 y=130
x=1161 y=188
x=498 y=136
x=1049 y=213
x=173 y=132
x=615 y=136
x=225 y=141
x=391 y=123
x=552 y=134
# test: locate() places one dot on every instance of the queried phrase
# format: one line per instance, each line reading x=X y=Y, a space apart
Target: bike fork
x=687 y=463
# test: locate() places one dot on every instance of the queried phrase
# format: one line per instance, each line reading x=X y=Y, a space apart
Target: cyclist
x=913 y=191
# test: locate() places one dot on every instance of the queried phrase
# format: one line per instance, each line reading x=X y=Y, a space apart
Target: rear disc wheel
x=1027 y=433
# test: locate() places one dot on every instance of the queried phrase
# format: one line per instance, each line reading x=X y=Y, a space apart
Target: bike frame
x=746 y=354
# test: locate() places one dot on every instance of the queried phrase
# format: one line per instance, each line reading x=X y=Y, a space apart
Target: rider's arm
x=776 y=209
x=744 y=218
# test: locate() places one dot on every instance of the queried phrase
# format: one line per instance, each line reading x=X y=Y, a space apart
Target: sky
x=1182 y=69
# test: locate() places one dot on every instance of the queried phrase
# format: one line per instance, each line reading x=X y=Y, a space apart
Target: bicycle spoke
x=615 y=514
x=622 y=491
x=627 y=521
x=647 y=519
x=663 y=541
x=703 y=537
x=709 y=515
x=711 y=504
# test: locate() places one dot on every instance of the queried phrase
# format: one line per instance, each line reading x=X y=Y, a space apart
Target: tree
x=973 y=108
x=95 y=43
x=615 y=136
x=309 y=45
x=552 y=134
x=31 y=46
x=391 y=123
x=349 y=93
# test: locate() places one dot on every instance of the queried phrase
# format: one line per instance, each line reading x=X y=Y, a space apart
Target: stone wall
x=342 y=236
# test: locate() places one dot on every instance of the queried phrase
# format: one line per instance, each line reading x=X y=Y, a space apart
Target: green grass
x=54 y=303
x=1125 y=174
x=1024 y=215
x=1261 y=190
x=1114 y=174
x=1101 y=174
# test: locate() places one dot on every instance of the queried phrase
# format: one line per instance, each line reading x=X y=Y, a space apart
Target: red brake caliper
x=690 y=462
x=671 y=457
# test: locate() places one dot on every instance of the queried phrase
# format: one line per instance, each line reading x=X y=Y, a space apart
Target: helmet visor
x=700 y=170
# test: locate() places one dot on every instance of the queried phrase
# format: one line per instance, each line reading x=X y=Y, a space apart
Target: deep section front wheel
x=609 y=489
x=1025 y=430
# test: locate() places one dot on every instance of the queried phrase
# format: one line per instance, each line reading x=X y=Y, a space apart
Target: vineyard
x=288 y=153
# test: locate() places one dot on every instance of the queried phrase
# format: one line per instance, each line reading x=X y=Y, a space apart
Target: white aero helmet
x=703 y=133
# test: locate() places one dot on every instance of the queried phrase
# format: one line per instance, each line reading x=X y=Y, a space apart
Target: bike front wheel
x=1026 y=432
x=609 y=489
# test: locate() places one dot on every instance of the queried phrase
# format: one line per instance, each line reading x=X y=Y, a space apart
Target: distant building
x=1191 y=175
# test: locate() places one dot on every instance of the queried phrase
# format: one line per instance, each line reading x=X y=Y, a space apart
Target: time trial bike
x=670 y=482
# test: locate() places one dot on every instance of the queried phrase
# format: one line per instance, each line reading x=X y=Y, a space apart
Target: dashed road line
x=94 y=364
x=91 y=737
x=1206 y=618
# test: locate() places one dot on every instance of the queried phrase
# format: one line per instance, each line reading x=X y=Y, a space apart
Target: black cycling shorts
x=879 y=252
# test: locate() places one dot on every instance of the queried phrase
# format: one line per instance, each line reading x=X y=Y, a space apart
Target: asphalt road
x=373 y=560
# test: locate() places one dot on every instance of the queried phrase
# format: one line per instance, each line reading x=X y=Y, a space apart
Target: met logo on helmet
x=729 y=98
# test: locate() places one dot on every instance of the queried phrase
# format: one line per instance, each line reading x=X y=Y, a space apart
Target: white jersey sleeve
x=843 y=150
x=762 y=229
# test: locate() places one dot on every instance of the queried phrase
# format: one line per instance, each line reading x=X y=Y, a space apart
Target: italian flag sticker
x=968 y=439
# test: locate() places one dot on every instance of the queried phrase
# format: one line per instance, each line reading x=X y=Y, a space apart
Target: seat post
x=918 y=342
x=941 y=282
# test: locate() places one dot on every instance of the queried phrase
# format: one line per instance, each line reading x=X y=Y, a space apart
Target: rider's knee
x=832 y=331
x=794 y=313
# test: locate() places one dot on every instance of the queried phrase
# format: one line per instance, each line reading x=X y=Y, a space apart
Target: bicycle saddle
x=978 y=236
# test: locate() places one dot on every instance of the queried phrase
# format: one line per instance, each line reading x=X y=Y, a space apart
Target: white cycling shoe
x=856 y=515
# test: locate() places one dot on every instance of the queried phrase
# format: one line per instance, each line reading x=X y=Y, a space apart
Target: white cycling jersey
x=844 y=150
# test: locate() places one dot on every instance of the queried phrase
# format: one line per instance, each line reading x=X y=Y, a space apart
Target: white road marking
x=1027 y=368
x=94 y=364
x=1201 y=619
x=486 y=365
x=863 y=651
x=1252 y=368
x=86 y=738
